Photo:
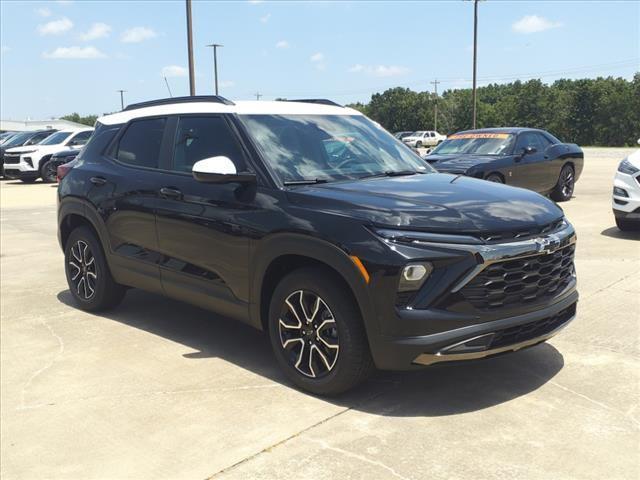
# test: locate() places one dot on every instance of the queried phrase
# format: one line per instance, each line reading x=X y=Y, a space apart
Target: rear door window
x=140 y=145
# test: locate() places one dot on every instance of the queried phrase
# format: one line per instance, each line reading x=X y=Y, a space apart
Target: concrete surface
x=158 y=389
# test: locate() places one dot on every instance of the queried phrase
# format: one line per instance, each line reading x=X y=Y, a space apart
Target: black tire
x=49 y=172
x=339 y=325
x=99 y=291
x=495 y=178
x=565 y=185
x=28 y=180
x=418 y=144
x=627 y=226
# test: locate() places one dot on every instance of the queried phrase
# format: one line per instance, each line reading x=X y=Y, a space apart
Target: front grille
x=11 y=158
x=521 y=281
x=528 y=331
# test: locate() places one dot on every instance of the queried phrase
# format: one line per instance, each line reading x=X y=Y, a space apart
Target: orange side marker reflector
x=360 y=266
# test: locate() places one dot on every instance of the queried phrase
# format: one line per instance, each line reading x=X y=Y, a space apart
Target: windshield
x=417 y=134
x=18 y=139
x=329 y=147
x=55 y=139
x=476 y=144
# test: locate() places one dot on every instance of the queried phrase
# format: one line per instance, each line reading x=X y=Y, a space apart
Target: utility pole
x=192 y=76
x=435 y=113
x=215 y=64
x=121 y=98
x=475 y=58
x=258 y=95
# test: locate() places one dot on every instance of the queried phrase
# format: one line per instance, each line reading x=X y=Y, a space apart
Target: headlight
x=413 y=276
x=626 y=167
x=620 y=192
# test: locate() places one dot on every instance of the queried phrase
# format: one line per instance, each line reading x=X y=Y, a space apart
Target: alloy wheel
x=49 y=172
x=82 y=270
x=567 y=182
x=308 y=334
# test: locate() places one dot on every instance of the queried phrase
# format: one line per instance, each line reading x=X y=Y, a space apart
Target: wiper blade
x=305 y=181
x=391 y=173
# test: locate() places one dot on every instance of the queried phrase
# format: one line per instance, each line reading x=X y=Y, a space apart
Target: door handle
x=170 y=192
x=99 y=181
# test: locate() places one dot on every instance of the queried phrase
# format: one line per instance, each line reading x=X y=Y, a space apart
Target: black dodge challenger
x=522 y=157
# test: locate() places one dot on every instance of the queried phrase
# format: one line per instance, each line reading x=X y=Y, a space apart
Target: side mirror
x=529 y=150
x=220 y=170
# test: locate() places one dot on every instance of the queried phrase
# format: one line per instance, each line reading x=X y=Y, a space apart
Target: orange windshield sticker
x=464 y=136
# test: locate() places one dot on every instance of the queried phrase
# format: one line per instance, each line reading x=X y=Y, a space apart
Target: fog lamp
x=413 y=276
x=620 y=192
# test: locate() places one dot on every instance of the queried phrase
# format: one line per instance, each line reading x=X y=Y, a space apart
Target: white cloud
x=318 y=60
x=174 y=71
x=255 y=2
x=265 y=18
x=97 y=30
x=4 y=49
x=137 y=35
x=227 y=84
x=533 y=24
x=380 y=70
x=55 y=27
x=43 y=12
x=282 y=44
x=64 y=2
x=74 y=53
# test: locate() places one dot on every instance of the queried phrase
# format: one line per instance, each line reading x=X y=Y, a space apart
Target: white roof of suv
x=241 y=108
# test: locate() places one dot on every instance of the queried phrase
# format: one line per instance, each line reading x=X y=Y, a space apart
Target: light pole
x=435 y=113
x=475 y=56
x=121 y=98
x=192 y=76
x=215 y=63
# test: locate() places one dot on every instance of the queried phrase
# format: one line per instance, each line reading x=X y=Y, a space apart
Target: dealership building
x=27 y=125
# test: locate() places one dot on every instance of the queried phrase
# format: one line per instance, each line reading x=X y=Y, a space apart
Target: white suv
x=28 y=163
x=626 y=193
x=427 y=138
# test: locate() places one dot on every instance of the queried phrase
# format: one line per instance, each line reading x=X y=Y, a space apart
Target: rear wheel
x=317 y=333
x=48 y=172
x=565 y=185
x=88 y=274
x=495 y=177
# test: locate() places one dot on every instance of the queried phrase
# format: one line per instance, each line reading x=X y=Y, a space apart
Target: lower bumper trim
x=490 y=344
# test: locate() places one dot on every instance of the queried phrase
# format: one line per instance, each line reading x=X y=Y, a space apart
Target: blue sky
x=66 y=56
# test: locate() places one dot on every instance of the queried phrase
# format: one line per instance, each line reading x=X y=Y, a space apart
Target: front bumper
x=459 y=323
x=625 y=207
x=20 y=167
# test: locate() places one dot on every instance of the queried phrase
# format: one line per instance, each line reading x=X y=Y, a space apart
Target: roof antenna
x=168 y=88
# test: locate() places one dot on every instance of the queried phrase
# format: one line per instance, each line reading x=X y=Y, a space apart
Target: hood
x=458 y=162
x=432 y=202
x=35 y=148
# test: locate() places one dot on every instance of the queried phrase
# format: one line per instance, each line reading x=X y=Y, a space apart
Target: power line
x=215 y=64
x=192 y=75
x=258 y=95
x=168 y=88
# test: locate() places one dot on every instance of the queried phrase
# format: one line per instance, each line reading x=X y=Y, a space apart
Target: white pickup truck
x=426 y=138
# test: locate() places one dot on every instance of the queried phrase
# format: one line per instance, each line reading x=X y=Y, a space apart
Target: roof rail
x=172 y=100
x=319 y=101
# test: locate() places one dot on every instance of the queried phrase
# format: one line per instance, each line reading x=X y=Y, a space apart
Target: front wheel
x=495 y=178
x=418 y=144
x=565 y=185
x=317 y=333
x=627 y=226
x=88 y=274
x=49 y=172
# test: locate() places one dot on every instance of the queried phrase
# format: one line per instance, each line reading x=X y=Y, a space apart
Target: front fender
x=280 y=244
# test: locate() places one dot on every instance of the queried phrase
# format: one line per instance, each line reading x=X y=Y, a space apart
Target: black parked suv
x=309 y=221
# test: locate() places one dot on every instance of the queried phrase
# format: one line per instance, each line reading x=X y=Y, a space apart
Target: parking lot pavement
x=159 y=389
